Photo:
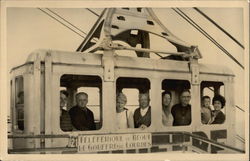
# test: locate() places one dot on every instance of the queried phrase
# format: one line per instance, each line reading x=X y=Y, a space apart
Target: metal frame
x=48 y=75
x=115 y=24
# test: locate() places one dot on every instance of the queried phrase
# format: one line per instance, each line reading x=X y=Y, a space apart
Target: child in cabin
x=218 y=117
x=124 y=117
x=206 y=112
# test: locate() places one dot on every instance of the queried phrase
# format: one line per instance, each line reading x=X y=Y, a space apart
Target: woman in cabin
x=124 y=117
x=218 y=116
x=167 y=118
x=65 y=121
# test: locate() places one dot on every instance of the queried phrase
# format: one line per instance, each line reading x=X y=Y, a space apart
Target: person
x=124 y=117
x=205 y=110
x=218 y=116
x=20 y=111
x=142 y=115
x=20 y=97
x=167 y=118
x=182 y=111
x=65 y=120
x=82 y=118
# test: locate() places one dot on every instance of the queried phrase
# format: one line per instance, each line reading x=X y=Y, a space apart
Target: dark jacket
x=65 y=121
x=181 y=114
x=219 y=118
x=82 y=119
x=142 y=120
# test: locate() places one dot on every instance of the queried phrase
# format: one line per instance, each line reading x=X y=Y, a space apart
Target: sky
x=29 y=29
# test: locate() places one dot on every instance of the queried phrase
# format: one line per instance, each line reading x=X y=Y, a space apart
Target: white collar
x=144 y=111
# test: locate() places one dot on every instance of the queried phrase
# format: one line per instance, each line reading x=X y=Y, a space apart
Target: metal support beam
x=48 y=96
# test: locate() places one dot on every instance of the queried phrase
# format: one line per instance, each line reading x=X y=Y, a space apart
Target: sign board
x=93 y=143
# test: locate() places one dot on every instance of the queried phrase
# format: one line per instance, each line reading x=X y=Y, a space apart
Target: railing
x=227 y=149
x=185 y=146
x=238 y=137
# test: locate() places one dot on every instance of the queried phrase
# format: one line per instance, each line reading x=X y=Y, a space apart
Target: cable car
x=96 y=69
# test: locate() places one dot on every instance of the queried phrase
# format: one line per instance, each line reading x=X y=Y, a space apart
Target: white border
x=4 y=92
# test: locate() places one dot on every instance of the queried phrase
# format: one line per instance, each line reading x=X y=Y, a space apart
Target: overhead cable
x=218 y=26
x=190 y=21
x=239 y=108
x=92 y=12
x=60 y=22
x=67 y=21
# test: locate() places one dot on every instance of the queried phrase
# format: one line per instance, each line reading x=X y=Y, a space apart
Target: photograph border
x=4 y=92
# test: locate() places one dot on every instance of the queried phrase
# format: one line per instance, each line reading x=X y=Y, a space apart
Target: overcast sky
x=29 y=29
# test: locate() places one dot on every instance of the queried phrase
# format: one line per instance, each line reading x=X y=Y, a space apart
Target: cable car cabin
x=35 y=103
x=45 y=91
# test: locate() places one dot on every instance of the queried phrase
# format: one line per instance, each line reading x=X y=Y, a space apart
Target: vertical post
x=155 y=102
x=195 y=93
x=108 y=90
x=230 y=112
x=72 y=91
x=48 y=101
x=32 y=104
x=13 y=100
x=12 y=112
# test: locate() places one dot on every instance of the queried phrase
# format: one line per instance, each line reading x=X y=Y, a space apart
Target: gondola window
x=213 y=102
x=176 y=107
x=80 y=102
x=19 y=103
x=133 y=103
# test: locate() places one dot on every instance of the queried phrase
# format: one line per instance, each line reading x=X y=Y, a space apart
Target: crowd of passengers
x=80 y=117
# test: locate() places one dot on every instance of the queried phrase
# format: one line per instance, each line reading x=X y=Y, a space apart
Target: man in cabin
x=182 y=111
x=65 y=121
x=142 y=115
x=82 y=118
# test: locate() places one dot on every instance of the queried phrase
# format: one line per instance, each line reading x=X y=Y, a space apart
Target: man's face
x=166 y=99
x=144 y=100
x=63 y=100
x=217 y=105
x=82 y=100
x=185 y=98
x=206 y=102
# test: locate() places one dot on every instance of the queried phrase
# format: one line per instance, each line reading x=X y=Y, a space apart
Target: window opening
x=176 y=107
x=133 y=103
x=212 y=102
x=122 y=18
x=19 y=90
x=82 y=97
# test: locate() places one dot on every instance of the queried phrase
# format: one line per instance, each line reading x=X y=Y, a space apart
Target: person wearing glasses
x=182 y=111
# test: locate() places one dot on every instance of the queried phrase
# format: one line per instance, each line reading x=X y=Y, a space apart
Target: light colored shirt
x=167 y=119
x=143 y=111
x=124 y=119
x=206 y=115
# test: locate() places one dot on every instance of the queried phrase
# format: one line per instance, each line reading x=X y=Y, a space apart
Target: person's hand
x=143 y=127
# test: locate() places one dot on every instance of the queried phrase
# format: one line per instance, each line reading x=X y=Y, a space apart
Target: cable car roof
x=79 y=58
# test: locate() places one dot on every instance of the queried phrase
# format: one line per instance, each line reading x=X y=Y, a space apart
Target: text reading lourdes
x=92 y=143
